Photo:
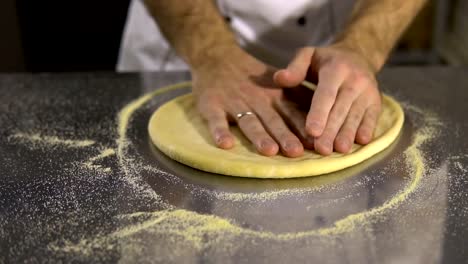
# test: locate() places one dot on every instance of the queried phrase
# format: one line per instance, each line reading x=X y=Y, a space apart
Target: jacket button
x=301 y=21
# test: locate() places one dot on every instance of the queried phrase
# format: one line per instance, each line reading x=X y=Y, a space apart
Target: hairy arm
x=376 y=26
x=194 y=28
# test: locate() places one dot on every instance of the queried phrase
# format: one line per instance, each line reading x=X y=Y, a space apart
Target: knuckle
x=375 y=107
x=204 y=104
x=318 y=116
x=208 y=96
x=267 y=116
x=328 y=93
x=369 y=119
x=212 y=118
x=341 y=110
x=348 y=132
x=272 y=122
x=352 y=89
x=245 y=87
x=334 y=122
x=354 y=118
x=378 y=107
x=286 y=136
x=262 y=138
x=323 y=142
x=328 y=69
x=361 y=81
x=364 y=131
x=254 y=126
x=208 y=112
x=340 y=66
x=220 y=131
x=237 y=103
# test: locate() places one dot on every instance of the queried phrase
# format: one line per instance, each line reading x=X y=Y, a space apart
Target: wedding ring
x=242 y=114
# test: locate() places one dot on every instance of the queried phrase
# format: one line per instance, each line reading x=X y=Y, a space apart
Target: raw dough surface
x=178 y=130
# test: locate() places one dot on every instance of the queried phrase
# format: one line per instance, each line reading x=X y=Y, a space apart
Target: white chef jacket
x=271 y=30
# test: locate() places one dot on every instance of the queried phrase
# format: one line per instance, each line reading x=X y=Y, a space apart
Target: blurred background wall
x=454 y=44
x=55 y=36
x=11 y=50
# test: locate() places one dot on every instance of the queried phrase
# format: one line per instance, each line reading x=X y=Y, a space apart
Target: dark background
x=60 y=36
x=71 y=35
x=64 y=36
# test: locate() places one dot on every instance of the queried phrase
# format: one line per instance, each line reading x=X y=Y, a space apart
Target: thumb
x=296 y=71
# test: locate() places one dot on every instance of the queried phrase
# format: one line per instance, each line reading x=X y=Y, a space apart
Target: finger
x=330 y=79
x=347 y=134
x=344 y=100
x=295 y=118
x=218 y=125
x=296 y=71
x=366 y=129
x=290 y=145
x=253 y=129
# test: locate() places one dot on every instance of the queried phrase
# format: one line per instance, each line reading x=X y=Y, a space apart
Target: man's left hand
x=347 y=102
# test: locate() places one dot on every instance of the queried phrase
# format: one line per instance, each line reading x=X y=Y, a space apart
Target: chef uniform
x=271 y=30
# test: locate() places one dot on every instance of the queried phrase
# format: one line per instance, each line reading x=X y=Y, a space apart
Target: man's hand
x=346 y=104
x=343 y=109
x=240 y=84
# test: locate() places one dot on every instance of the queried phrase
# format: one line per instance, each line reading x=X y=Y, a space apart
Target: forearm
x=376 y=26
x=195 y=29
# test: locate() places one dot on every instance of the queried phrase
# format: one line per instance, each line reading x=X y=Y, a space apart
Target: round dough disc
x=179 y=131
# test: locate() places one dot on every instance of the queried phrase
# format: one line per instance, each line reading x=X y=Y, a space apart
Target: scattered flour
x=90 y=164
x=199 y=230
x=38 y=140
x=193 y=228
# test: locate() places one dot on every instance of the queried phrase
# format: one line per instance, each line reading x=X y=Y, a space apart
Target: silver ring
x=242 y=114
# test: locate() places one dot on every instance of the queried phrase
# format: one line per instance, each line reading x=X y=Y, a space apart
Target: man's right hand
x=239 y=84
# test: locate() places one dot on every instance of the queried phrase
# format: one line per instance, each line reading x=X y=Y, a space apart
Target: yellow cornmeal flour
x=37 y=140
x=126 y=113
x=192 y=227
x=52 y=140
x=209 y=223
x=123 y=119
x=90 y=163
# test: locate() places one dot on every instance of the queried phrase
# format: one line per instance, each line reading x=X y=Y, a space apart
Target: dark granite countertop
x=81 y=182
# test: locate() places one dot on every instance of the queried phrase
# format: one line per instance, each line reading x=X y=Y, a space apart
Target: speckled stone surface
x=68 y=193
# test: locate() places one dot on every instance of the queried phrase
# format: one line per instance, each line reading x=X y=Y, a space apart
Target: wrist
x=374 y=56
x=216 y=58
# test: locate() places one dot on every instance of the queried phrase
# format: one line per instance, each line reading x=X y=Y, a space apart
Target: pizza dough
x=179 y=131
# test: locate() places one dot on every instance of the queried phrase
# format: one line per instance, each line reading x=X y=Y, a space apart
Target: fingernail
x=326 y=143
x=224 y=142
x=324 y=146
x=292 y=145
x=365 y=135
x=267 y=144
x=268 y=147
x=344 y=144
x=283 y=72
